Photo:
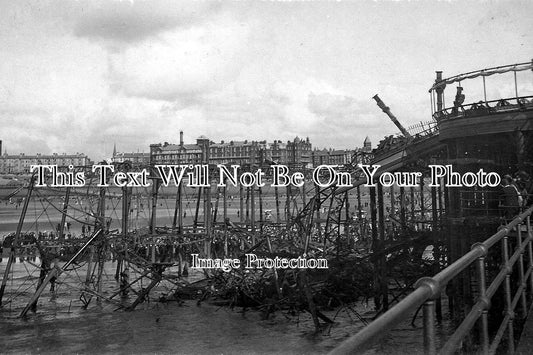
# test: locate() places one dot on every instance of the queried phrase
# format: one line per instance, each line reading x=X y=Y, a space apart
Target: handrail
x=483 y=72
x=427 y=289
x=483 y=108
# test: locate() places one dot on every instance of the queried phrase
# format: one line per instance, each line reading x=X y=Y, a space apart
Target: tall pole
x=181 y=211
x=440 y=92
x=155 y=188
x=64 y=215
x=392 y=201
x=382 y=259
x=252 y=213
x=260 y=210
x=125 y=212
x=359 y=207
x=276 y=192
x=247 y=206
x=347 y=215
x=102 y=247
x=16 y=238
x=422 y=205
x=215 y=212
x=316 y=205
x=241 y=204
x=402 y=209
x=177 y=209
x=288 y=205
x=207 y=220
x=198 y=199
x=304 y=202
x=412 y=204
x=484 y=91
x=225 y=202
x=375 y=247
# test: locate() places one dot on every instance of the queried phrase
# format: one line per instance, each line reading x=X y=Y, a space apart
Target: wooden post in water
x=12 y=253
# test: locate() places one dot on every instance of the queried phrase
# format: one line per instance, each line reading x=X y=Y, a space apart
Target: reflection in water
x=62 y=326
x=166 y=328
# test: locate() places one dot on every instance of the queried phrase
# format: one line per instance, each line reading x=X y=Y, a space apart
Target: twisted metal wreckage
x=380 y=257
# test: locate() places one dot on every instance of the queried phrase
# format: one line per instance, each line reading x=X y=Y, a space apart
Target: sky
x=81 y=76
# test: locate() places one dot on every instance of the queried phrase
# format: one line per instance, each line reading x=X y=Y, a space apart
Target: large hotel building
x=297 y=154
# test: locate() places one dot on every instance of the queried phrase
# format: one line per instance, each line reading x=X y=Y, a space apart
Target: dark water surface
x=60 y=325
x=167 y=328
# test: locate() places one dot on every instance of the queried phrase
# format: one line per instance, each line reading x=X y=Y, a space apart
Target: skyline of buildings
x=297 y=154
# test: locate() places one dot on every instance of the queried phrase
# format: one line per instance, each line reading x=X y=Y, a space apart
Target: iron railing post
x=530 y=254
x=521 y=271
x=508 y=296
x=430 y=347
x=428 y=289
x=482 y=285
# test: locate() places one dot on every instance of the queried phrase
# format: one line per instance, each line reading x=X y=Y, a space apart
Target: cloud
x=167 y=50
x=134 y=21
x=180 y=63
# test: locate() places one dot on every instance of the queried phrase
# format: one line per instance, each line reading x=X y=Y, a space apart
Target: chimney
x=181 y=138
x=440 y=91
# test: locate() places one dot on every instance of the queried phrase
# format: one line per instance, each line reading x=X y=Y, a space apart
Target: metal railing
x=485 y=108
x=428 y=289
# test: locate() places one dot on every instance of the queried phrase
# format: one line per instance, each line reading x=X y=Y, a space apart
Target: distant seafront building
x=297 y=154
x=21 y=163
x=247 y=153
x=342 y=157
x=179 y=153
x=137 y=160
